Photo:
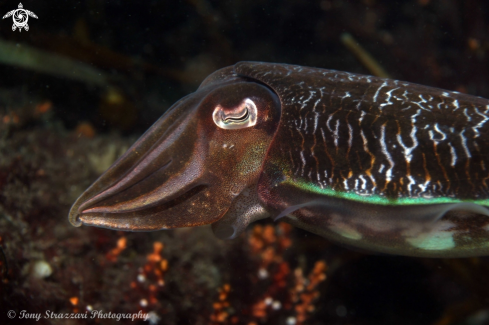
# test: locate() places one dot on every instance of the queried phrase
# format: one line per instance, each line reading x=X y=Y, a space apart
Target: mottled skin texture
x=373 y=163
x=369 y=135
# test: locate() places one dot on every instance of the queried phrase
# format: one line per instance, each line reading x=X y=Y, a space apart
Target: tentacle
x=245 y=209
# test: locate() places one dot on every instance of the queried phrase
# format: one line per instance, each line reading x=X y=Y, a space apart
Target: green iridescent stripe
x=377 y=199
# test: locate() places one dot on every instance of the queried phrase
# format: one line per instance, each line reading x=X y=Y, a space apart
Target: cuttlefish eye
x=241 y=116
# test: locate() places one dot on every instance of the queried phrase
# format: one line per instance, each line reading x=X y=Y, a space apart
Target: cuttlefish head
x=190 y=165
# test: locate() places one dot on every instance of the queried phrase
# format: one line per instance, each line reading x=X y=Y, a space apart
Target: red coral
x=278 y=294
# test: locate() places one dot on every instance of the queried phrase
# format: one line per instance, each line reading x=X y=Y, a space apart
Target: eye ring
x=241 y=116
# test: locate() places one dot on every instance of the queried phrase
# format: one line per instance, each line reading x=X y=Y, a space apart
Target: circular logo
x=20 y=17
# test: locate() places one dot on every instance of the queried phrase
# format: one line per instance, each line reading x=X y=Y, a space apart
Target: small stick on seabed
x=363 y=56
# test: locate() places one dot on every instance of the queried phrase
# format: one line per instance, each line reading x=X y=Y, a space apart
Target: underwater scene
x=244 y=162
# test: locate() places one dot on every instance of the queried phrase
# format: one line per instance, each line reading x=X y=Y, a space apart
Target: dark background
x=156 y=52
x=57 y=130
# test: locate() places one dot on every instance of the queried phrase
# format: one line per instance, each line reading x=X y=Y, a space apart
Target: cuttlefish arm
x=373 y=163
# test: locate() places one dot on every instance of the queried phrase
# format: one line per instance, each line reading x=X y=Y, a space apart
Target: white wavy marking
x=481 y=123
x=336 y=133
x=467 y=115
x=388 y=173
x=454 y=155
x=327 y=122
x=316 y=117
x=364 y=182
x=350 y=135
x=325 y=171
x=388 y=99
x=364 y=141
x=423 y=187
x=316 y=114
x=303 y=162
x=464 y=144
x=300 y=125
x=321 y=91
x=378 y=89
x=347 y=94
x=422 y=101
x=455 y=103
x=408 y=150
x=411 y=183
x=361 y=117
x=365 y=148
x=404 y=94
x=432 y=135
x=311 y=94
x=440 y=132
x=381 y=168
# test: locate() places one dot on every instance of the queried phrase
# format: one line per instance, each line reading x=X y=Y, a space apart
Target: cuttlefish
x=377 y=164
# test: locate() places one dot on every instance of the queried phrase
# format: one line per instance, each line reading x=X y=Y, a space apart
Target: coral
x=220 y=315
x=278 y=295
x=43 y=107
x=85 y=129
x=115 y=252
x=151 y=276
x=305 y=292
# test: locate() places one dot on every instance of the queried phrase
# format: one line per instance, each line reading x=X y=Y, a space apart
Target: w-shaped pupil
x=231 y=118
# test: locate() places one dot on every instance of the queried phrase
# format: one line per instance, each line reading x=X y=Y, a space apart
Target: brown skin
x=185 y=171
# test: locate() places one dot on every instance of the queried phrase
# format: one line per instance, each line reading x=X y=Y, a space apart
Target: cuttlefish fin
x=244 y=209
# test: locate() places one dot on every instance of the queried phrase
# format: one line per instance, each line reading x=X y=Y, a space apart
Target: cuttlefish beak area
x=185 y=170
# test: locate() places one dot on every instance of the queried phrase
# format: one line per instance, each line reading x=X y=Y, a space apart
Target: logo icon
x=20 y=17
